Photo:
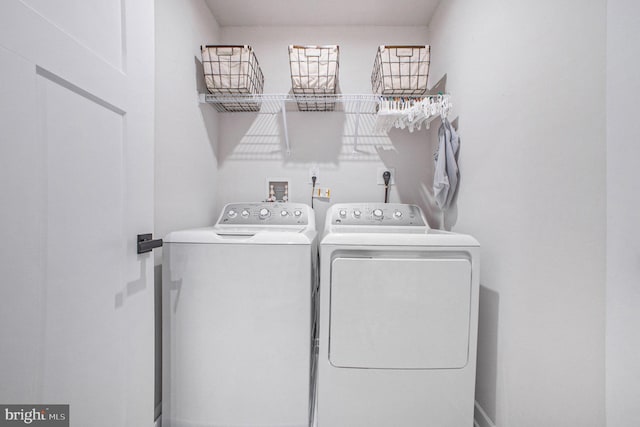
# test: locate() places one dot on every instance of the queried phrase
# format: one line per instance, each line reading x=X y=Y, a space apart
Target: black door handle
x=147 y=244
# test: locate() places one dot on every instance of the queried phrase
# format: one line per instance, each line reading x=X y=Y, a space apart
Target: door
x=394 y=313
x=76 y=180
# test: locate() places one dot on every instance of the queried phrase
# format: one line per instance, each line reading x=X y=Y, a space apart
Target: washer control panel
x=372 y=214
x=265 y=213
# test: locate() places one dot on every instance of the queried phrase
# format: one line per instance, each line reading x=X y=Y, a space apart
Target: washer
x=398 y=320
x=237 y=323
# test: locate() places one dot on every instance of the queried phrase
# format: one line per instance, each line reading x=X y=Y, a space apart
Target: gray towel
x=445 y=180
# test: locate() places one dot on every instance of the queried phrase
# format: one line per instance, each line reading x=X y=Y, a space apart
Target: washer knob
x=377 y=213
x=244 y=213
x=297 y=212
x=343 y=213
x=284 y=213
x=232 y=213
x=357 y=213
x=397 y=214
x=264 y=213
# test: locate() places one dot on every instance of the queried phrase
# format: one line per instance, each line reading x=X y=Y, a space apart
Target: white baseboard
x=480 y=417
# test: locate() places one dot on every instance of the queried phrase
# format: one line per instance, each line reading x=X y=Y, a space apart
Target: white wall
x=528 y=84
x=250 y=144
x=186 y=131
x=623 y=205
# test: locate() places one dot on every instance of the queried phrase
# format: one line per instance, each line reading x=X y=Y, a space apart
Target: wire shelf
x=274 y=103
x=356 y=105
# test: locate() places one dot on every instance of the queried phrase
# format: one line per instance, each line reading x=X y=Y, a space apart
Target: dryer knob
x=343 y=213
x=397 y=214
x=284 y=213
x=357 y=213
x=377 y=213
x=264 y=213
x=245 y=213
x=232 y=213
x=297 y=213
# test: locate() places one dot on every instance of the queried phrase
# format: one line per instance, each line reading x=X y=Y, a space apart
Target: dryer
x=397 y=320
x=237 y=318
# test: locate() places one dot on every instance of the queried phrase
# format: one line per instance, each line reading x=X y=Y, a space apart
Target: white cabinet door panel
x=85 y=173
x=100 y=28
x=22 y=190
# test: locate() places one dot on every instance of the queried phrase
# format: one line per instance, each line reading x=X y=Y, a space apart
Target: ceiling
x=322 y=12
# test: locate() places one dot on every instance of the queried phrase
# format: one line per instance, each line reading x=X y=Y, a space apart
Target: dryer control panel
x=377 y=214
x=258 y=213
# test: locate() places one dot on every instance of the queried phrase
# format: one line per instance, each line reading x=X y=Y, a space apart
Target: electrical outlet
x=322 y=193
x=381 y=170
x=314 y=170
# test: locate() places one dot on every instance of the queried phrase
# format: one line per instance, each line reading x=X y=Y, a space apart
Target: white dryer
x=398 y=320
x=237 y=318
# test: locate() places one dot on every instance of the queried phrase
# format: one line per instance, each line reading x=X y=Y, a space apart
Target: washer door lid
x=400 y=313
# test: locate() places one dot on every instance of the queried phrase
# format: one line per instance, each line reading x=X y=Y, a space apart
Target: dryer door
x=400 y=313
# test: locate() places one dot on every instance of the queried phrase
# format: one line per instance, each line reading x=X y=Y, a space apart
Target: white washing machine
x=237 y=318
x=398 y=320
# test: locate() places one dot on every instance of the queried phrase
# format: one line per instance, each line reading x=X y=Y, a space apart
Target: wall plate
x=278 y=190
x=314 y=170
x=381 y=170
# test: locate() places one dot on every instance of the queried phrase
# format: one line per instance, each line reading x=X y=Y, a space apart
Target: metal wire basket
x=233 y=70
x=314 y=71
x=401 y=70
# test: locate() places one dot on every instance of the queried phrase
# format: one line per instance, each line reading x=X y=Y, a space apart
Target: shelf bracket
x=285 y=129
x=357 y=126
